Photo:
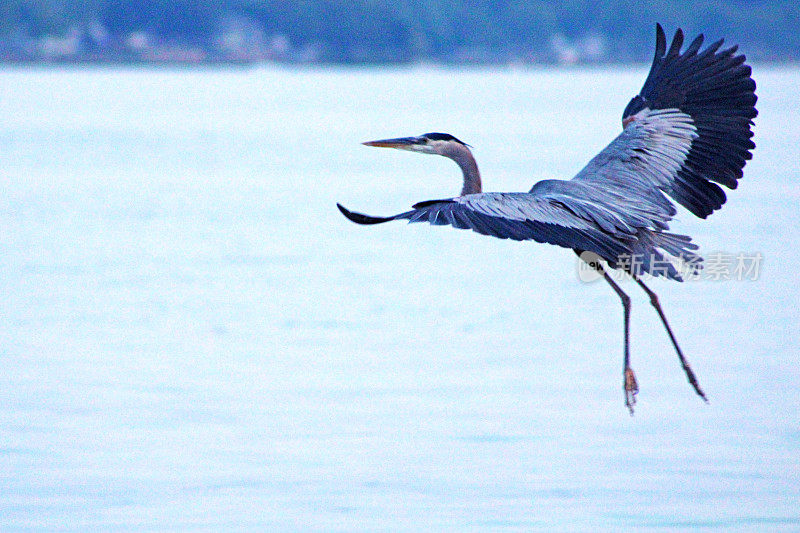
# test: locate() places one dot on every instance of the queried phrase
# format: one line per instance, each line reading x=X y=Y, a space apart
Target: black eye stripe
x=434 y=136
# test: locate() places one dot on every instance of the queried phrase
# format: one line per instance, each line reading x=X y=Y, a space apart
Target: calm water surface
x=192 y=337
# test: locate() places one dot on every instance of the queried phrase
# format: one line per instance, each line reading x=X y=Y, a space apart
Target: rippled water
x=192 y=337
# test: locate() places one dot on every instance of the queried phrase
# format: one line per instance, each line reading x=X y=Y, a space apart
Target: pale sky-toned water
x=192 y=337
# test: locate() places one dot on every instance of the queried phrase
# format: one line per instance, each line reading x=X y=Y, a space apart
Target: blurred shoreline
x=244 y=43
x=222 y=64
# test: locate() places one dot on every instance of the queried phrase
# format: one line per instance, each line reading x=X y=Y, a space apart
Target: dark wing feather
x=712 y=93
x=557 y=212
x=521 y=217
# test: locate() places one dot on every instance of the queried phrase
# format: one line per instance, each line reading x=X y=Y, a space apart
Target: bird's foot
x=631 y=389
x=693 y=380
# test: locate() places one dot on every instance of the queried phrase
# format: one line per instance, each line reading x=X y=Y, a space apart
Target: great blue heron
x=687 y=132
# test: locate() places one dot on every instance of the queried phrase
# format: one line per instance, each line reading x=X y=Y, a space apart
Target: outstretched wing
x=553 y=215
x=687 y=131
x=521 y=217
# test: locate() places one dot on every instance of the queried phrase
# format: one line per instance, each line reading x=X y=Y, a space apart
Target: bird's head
x=427 y=143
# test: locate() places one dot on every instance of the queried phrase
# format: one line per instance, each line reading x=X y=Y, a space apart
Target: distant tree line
x=374 y=31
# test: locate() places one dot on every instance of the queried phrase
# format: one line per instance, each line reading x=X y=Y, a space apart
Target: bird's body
x=685 y=133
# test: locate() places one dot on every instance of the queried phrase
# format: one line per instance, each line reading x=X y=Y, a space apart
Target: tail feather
x=664 y=254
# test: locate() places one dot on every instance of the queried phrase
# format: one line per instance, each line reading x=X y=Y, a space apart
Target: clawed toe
x=631 y=389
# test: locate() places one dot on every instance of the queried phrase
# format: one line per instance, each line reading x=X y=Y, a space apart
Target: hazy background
x=192 y=337
x=382 y=31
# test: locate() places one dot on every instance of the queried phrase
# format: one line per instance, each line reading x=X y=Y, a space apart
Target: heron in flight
x=687 y=132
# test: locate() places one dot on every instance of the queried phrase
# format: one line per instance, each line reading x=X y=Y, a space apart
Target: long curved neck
x=464 y=159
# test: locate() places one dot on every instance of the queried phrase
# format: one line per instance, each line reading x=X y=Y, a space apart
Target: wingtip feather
x=661 y=42
x=677 y=43
x=360 y=218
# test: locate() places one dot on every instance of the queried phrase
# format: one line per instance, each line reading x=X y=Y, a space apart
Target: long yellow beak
x=400 y=142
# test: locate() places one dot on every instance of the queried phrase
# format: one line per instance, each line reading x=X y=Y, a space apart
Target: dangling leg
x=629 y=381
x=686 y=368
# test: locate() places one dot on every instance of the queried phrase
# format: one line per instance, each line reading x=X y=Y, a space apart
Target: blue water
x=192 y=337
